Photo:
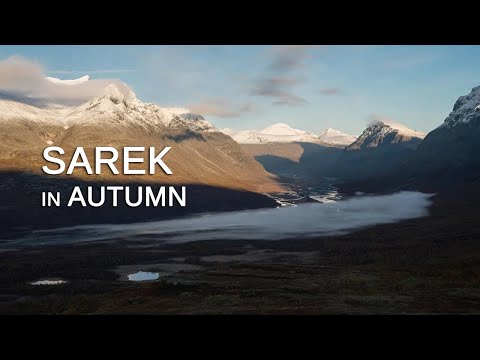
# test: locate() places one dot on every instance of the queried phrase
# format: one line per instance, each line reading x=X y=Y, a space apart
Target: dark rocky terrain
x=424 y=266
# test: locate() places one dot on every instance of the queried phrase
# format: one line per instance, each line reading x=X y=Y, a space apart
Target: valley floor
x=423 y=266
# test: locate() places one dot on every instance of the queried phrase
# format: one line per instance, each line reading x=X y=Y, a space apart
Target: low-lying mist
x=306 y=220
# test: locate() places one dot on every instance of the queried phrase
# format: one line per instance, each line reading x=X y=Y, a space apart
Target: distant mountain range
x=389 y=154
x=381 y=148
x=200 y=153
x=284 y=133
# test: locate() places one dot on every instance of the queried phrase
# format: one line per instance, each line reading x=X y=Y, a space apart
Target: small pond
x=143 y=276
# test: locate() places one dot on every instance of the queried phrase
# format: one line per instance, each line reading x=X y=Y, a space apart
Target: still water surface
x=304 y=220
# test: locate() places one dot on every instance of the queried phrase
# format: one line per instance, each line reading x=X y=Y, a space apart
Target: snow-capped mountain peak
x=113 y=92
x=117 y=118
x=119 y=106
x=335 y=137
x=466 y=109
x=328 y=131
x=386 y=132
x=282 y=129
x=284 y=133
x=276 y=133
x=117 y=93
x=403 y=129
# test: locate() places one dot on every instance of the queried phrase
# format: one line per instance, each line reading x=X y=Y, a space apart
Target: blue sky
x=311 y=88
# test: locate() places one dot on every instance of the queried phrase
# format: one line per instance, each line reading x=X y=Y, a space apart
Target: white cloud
x=24 y=79
x=68 y=82
x=281 y=75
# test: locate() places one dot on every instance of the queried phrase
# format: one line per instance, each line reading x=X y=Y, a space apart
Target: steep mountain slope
x=452 y=150
x=383 y=134
x=26 y=130
x=200 y=154
x=382 y=148
x=446 y=161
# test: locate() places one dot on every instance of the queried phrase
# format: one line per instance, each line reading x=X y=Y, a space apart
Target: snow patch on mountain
x=12 y=110
x=466 y=109
x=403 y=129
x=284 y=133
x=382 y=132
x=120 y=106
x=276 y=133
x=335 y=137
x=282 y=129
x=116 y=106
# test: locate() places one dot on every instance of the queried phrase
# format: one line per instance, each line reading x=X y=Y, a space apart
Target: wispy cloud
x=279 y=88
x=105 y=71
x=24 y=79
x=222 y=108
x=331 y=91
x=375 y=118
x=281 y=75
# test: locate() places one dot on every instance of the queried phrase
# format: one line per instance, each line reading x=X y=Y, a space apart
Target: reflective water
x=143 y=276
x=302 y=221
x=48 y=282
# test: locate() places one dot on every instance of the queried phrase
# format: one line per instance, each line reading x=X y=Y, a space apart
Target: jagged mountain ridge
x=446 y=159
x=452 y=149
x=112 y=108
x=200 y=153
x=383 y=133
x=116 y=108
x=465 y=110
